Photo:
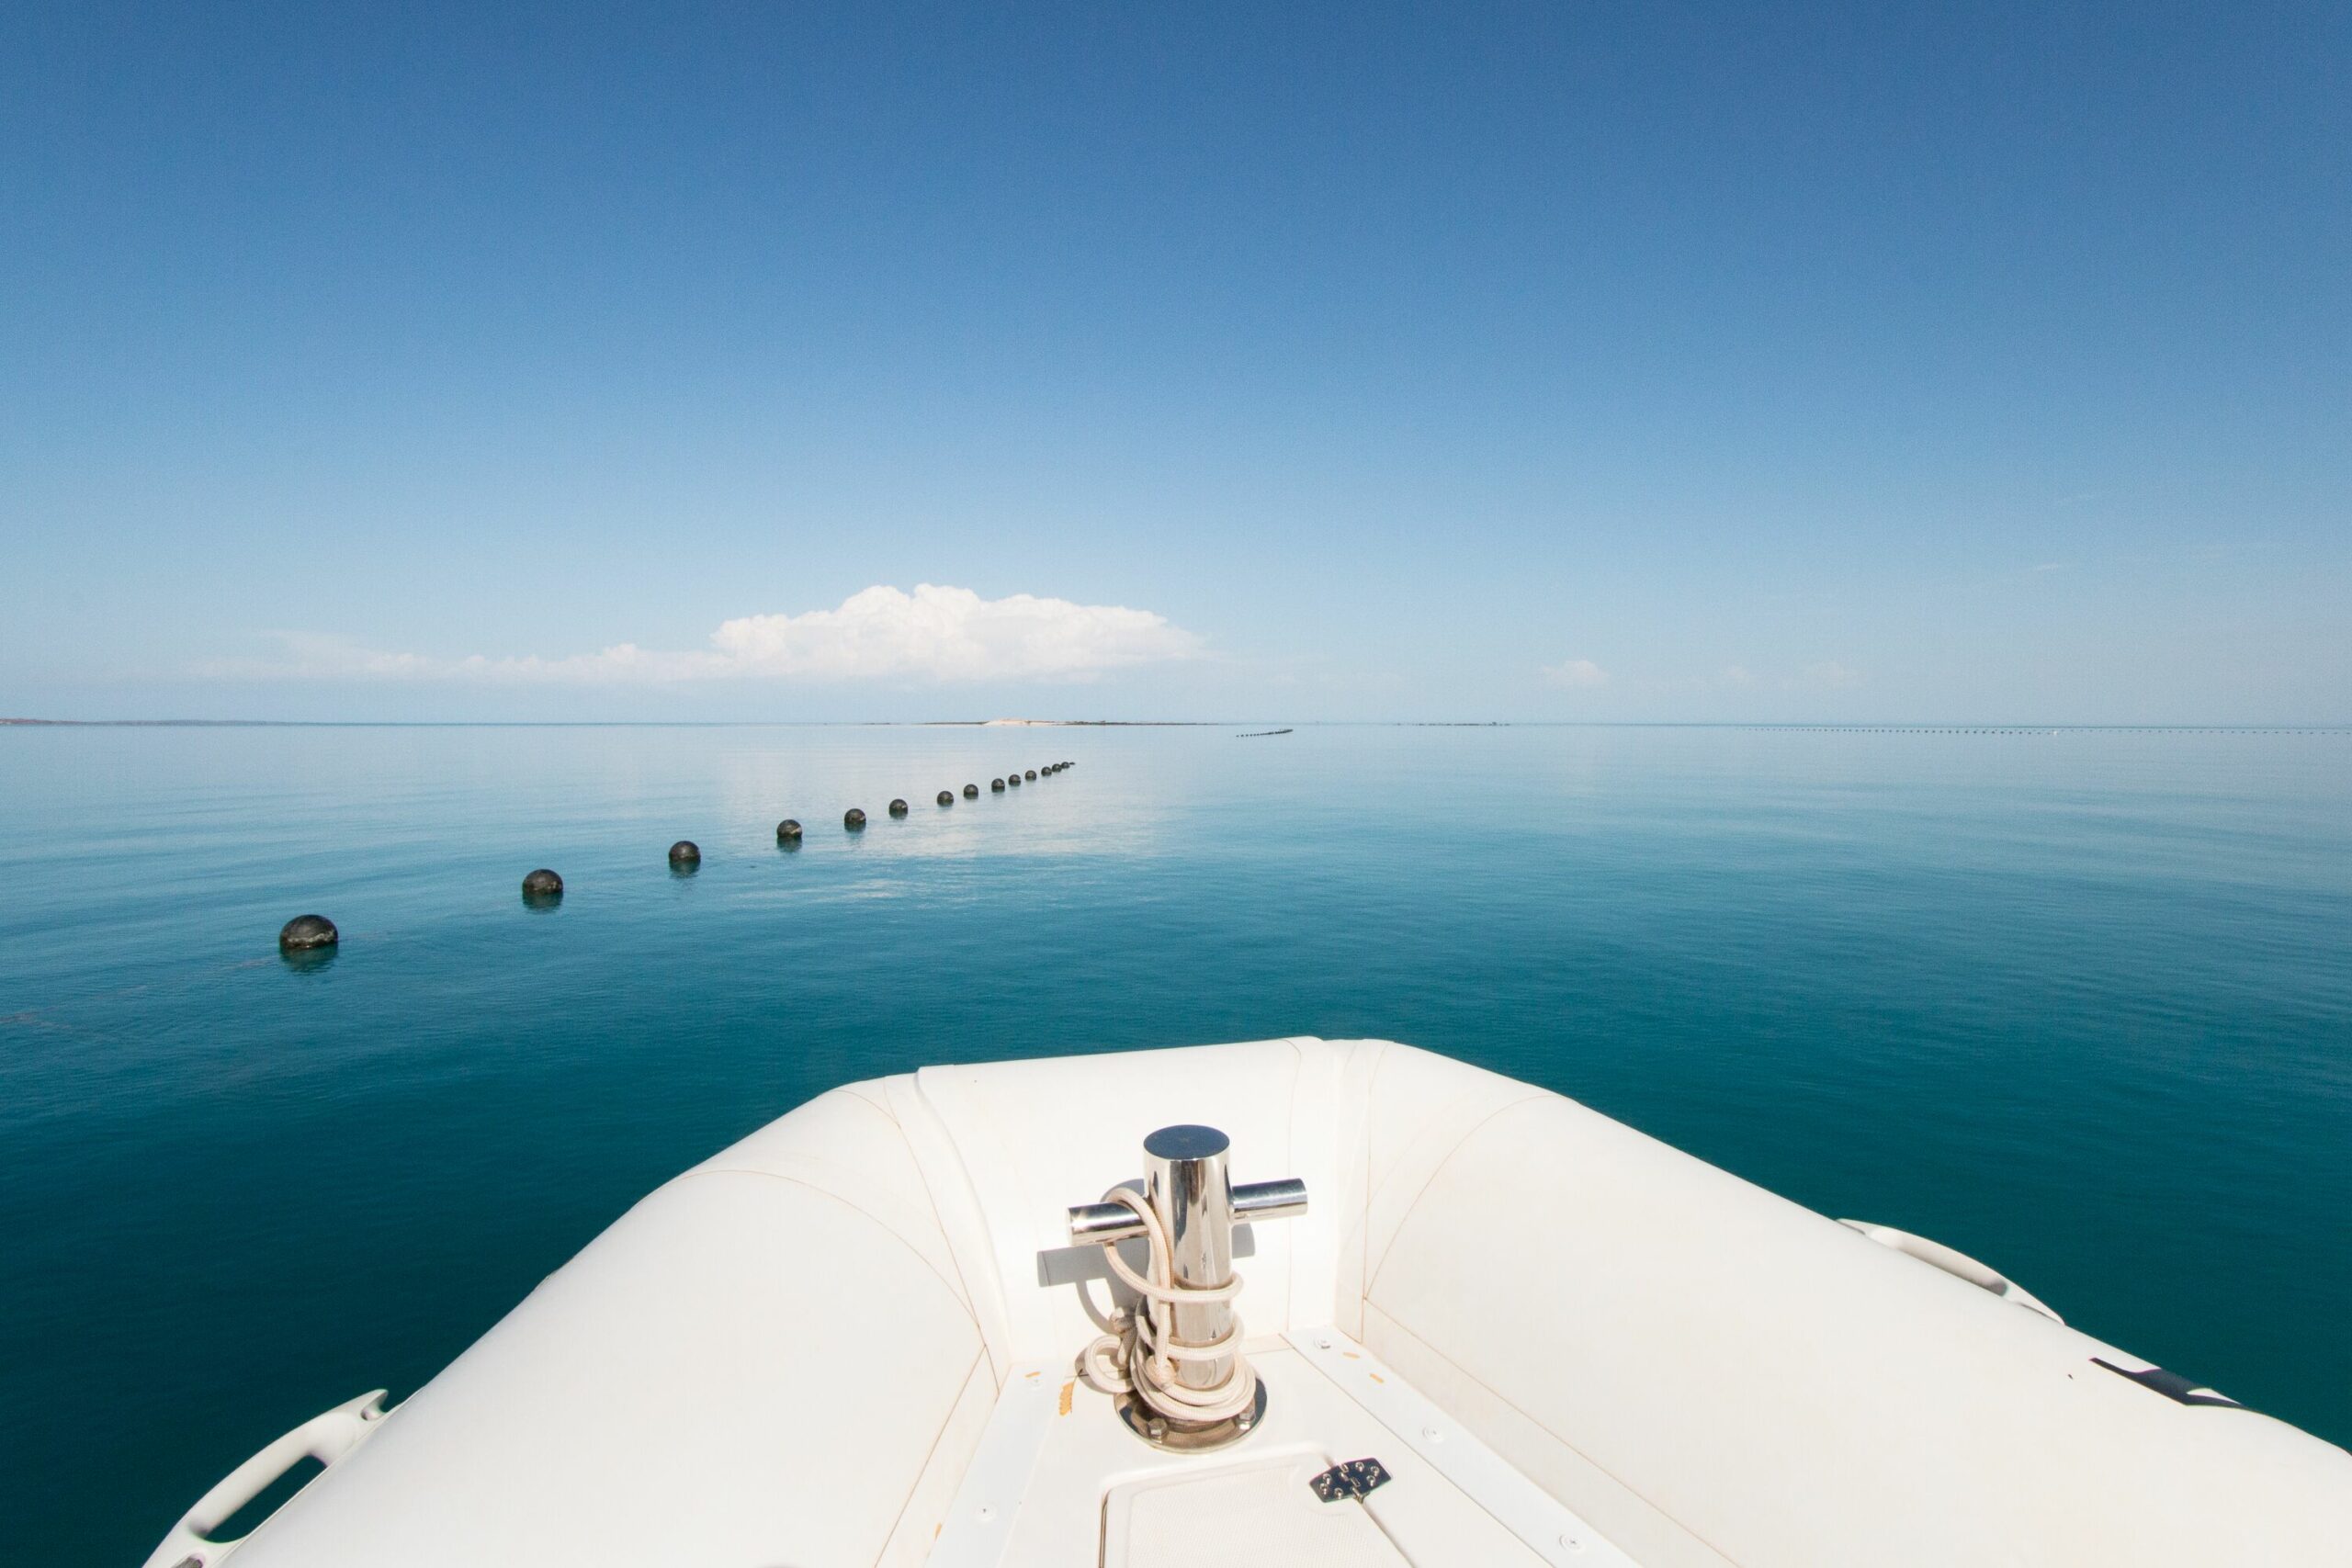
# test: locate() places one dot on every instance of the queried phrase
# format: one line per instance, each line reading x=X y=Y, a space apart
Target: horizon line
x=1816 y=726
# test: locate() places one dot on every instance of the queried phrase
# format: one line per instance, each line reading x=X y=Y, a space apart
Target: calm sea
x=2078 y=1003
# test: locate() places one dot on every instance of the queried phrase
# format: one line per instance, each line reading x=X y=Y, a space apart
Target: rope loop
x=1141 y=1354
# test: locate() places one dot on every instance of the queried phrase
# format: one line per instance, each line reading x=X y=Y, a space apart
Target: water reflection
x=817 y=773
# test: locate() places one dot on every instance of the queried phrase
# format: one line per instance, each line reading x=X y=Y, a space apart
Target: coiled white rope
x=1141 y=1355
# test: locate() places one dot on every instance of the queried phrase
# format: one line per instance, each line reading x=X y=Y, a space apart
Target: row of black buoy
x=308 y=933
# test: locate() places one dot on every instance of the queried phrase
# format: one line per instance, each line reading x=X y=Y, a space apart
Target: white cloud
x=933 y=635
x=1738 y=675
x=1577 y=673
x=1829 y=673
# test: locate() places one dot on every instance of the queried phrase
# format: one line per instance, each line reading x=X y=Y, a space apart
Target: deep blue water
x=2079 y=1004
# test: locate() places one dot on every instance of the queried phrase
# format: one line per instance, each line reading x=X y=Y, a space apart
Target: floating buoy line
x=542 y=888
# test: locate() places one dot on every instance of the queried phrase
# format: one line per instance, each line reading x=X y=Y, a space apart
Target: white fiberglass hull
x=848 y=1340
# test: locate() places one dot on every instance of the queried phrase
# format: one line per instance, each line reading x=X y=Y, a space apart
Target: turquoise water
x=2079 y=1004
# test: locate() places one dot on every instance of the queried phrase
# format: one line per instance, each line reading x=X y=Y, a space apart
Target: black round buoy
x=1013 y=778
x=685 y=852
x=1031 y=774
x=946 y=797
x=996 y=785
x=897 y=808
x=971 y=791
x=787 y=830
x=542 y=885
x=853 y=820
x=304 y=932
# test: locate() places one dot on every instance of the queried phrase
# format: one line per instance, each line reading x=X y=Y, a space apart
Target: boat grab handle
x=326 y=1437
x=1957 y=1264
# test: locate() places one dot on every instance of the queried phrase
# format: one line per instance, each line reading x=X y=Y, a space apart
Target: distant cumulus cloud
x=1738 y=675
x=933 y=635
x=1829 y=673
x=1577 y=673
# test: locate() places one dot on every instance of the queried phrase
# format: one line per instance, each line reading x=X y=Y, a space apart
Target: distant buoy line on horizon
x=312 y=936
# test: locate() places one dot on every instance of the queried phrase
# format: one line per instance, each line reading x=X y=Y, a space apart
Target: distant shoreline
x=618 y=723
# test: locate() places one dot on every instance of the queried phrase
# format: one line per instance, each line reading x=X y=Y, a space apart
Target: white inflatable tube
x=805 y=1351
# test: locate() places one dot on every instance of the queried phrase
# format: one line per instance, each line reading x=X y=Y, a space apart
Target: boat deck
x=1058 y=1480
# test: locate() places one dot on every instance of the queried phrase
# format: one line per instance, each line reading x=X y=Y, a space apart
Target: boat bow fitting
x=1954 y=1262
x=327 y=1437
x=1173 y=1359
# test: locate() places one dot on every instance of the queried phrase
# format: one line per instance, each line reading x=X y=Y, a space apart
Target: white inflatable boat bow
x=1492 y=1329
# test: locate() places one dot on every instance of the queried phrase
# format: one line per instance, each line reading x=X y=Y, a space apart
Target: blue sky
x=1677 y=362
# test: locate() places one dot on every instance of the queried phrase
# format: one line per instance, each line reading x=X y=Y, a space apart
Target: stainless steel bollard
x=1185 y=1178
x=1190 y=1189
